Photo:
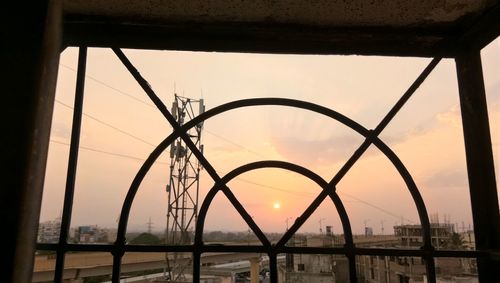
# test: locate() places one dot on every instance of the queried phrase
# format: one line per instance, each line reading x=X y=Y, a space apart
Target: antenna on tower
x=150 y=225
x=183 y=186
x=321 y=226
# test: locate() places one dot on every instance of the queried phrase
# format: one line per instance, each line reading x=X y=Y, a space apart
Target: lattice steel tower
x=183 y=188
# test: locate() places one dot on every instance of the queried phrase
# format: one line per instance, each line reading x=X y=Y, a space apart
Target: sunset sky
x=426 y=135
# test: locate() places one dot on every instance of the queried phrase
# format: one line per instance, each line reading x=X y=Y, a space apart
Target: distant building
x=48 y=231
x=329 y=230
x=94 y=234
x=469 y=240
x=411 y=235
x=306 y=268
x=368 y=231
x=316 y=268
x=380 y=269
x=384 y=269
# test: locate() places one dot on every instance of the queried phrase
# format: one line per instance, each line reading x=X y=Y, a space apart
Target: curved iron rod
x=270 y=164
x=344 y=218
x=421 y=209
x=261 y=102
x=122 y=225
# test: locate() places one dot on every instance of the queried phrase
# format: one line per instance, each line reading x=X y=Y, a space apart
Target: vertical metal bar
x=72 y=164
x=117 y=263
x=430 y=268
x=353 y=276
x=196 y=263
x=479 y=155
x=273 y=267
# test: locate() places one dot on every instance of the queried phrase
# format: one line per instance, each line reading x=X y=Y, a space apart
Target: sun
x=276 y=205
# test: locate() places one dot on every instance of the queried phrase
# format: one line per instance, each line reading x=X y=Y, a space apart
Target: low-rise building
x=316 y=267
x=412 y=269
x=411 y=235
x=48 y=231
x=94 y=234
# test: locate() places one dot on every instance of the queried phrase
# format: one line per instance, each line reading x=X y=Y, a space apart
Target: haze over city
x=119 y=133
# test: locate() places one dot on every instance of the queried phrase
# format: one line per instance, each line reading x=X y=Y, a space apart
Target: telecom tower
x=183 y=188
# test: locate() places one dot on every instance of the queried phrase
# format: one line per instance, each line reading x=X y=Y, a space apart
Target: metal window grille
x=427 y=252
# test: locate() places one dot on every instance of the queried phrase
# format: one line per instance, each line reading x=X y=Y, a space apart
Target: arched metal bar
x=206 y=115
x=271 y=164
x=200 y=223
x=327 y=191
x=120 y=240
x=221 y=185
x=349 y=244
x=369 y=135
x=404 y=173
x=261 y=102
x=419 y=203
x=396 y=162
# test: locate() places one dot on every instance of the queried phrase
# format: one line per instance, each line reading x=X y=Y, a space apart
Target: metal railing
x=427 y=252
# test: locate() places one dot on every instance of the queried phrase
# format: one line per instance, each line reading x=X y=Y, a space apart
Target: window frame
x=479 y=161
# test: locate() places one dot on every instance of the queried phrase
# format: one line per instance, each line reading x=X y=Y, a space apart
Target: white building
x=48 y=231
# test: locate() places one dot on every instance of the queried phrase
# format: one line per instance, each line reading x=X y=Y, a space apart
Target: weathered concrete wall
x=397 y=13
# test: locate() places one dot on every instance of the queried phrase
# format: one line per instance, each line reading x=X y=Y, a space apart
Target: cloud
x=60 y=131
x=451 y=117
x=331 y=150
x=447 y=178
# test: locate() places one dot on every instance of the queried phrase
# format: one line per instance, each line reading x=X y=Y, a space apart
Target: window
x=197 y=248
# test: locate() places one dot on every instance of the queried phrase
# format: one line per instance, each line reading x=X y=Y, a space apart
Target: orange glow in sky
x=276 y=205
x=426 y=135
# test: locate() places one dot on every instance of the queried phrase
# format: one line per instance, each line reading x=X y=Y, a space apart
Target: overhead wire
x=106 y=152
x=340 y=193
x=152 y=106
x=214 y=134
x=110 y=86
x=108 y=125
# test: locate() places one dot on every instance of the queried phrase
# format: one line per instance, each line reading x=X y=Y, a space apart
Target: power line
x=275 y=188
x=340 y=193
x=218 y=136
x=152 y=106
x=242 y=180
x=376 y=207
x=235 y=144
x=107 y=152
x=109 y=125
x=153 y=145
x=111 y=87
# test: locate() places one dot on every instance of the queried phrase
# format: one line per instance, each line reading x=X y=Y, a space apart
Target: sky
x=120 y=128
